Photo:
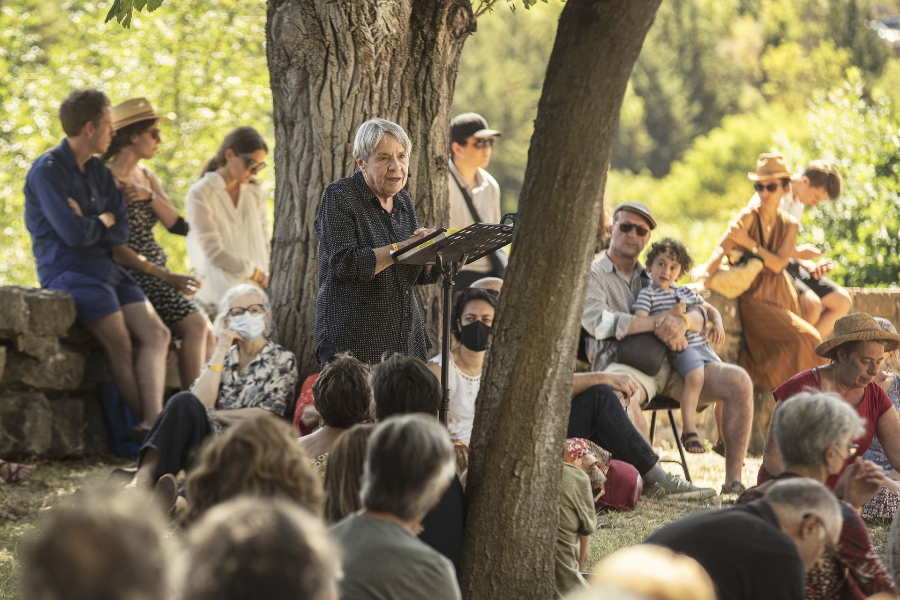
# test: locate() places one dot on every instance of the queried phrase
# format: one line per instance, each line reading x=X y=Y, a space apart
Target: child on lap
x=668 y=260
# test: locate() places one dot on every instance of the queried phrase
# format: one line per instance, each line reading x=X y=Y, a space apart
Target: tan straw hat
x=134 y=110
x=857 y=327
x=770 y=166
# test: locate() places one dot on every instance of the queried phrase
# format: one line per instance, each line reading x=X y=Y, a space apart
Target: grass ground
x=21 y=506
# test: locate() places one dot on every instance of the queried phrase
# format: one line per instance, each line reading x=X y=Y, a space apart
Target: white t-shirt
x=226 y=242
x=788 y=205
x=486 y=199
x=463 y=392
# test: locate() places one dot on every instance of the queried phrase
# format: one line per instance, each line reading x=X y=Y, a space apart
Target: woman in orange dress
x=778 y=343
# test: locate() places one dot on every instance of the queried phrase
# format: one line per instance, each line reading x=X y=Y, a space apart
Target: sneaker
x=678 y=488
x=165 y=494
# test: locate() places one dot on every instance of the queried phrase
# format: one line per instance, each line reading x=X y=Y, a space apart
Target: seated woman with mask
x=247 y=376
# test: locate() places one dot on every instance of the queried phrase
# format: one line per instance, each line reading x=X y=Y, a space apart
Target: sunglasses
x=638 y=230
x=252 y=166
x=771 y=187
x=482 y=142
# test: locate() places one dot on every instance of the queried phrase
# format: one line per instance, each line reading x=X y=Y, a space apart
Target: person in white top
x=229 y=238
x=823 y=300
x=471 y=142
x=473 y=316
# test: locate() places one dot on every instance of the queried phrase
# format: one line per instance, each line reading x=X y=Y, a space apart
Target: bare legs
x=731 y=386
x=197 y=342
x=693 y=383
x=822 y=312
x=138 y=369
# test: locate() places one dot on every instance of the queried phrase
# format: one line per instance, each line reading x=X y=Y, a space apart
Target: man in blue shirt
x=76 y=217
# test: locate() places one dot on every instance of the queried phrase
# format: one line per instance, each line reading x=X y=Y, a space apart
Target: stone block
x=27 y=424
x=2 y=361
x=95 y=436
x=730 y=349
x=14 y=313
x=61 y=371
x=731 y=315
x=51 y=312
x=68 y=425
x=877 y=302
x=42 y=347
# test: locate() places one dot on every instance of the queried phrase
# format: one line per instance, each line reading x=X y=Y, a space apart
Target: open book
x=414 y=248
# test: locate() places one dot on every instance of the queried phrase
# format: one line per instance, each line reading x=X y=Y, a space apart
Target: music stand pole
x=449 y=271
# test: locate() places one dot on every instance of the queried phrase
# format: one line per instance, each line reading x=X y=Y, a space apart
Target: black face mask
x=474 y=336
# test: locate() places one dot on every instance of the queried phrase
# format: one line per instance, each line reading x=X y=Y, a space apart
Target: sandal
x=719 y=448
x=14 y=472
x=692 y=443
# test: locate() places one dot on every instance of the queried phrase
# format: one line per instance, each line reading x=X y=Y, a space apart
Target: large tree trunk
x=333 y=65
x=523 y=406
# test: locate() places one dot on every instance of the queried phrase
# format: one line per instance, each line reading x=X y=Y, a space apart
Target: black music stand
x=449 y=255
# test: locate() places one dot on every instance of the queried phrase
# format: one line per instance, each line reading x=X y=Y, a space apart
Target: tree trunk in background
x=334 y=65
x=523 y=406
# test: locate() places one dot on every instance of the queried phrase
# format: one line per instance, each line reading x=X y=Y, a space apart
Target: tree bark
x=522 y=409
x=334 y=65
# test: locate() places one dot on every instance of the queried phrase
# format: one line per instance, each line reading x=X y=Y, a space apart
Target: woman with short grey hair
x=408 y=466
x=366 y=303
x=815 y=433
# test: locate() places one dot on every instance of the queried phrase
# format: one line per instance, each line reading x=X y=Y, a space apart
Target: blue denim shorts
x=687 y=360
x=95 y=298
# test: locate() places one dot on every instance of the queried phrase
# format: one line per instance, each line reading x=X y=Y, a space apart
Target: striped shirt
x=653 y=301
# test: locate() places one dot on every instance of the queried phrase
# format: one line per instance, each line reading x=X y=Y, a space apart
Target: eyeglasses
x=482 y=142
x=852 y=450
x=252 y=166
x=771 y=187
x=253 y=309
x=638 y=230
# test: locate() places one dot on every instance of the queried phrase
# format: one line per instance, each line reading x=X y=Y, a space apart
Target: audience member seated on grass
x=343 y=399
x=102 y=545
x=228 y=243
x=616 y=279
x=76 y=216
x=408 y=467
x=815 y=433
x=246 y=377
x=473 y=316
x=137 y=138
x=262 y=548
x=654 y=573
x=761 y=549
x=11 y=472
x=856 y=352
x=577 y=521
x=403 y=385
x=257 y=457
x=343 y=479
x=884 y=505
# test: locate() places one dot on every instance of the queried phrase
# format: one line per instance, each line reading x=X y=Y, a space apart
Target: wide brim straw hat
x=770 y=166
x=857 y=327
x=135 y=110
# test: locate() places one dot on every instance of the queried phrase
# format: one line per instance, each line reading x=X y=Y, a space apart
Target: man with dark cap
x=474 y=194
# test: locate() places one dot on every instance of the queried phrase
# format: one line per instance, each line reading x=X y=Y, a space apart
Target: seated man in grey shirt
x=408 y=466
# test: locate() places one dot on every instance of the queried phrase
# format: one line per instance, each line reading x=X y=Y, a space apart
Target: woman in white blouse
x=228 y=242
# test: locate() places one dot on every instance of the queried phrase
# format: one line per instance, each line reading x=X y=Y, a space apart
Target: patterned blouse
x=267 y=382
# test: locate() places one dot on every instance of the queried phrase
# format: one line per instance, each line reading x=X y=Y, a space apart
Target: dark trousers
x=597 y=415
x=177 y=433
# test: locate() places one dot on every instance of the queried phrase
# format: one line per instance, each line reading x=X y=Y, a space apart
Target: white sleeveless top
x=463 y=391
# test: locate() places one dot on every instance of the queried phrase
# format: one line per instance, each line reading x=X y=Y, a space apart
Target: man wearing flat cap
x=616 y=278
x=474 y=194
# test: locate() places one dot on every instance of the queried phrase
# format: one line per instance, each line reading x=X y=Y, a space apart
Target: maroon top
x=875 y=403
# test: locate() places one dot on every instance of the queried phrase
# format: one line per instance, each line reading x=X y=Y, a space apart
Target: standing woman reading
x=137 y=137
x=229 y=239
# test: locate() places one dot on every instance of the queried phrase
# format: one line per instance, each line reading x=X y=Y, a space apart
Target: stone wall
x=49 y=372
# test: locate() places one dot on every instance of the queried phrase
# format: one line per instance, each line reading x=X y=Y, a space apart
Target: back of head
x=104 y=545
x=409 y=463
x=801 y=496
x=259 y=548
x=655 y=573
x=258 y=457
x=344 y=473
x=404 y=385
x=81 y=107
x=823 y=175
x=342 y=394
x=808 y=423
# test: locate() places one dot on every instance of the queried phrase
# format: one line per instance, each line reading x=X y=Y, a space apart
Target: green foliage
x=207 y=66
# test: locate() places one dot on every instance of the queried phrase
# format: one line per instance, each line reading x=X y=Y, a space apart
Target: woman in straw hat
x=137 y=137
x=777 y=341
x=857 y=352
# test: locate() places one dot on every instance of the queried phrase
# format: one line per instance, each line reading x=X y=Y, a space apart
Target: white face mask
x=248 y=326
